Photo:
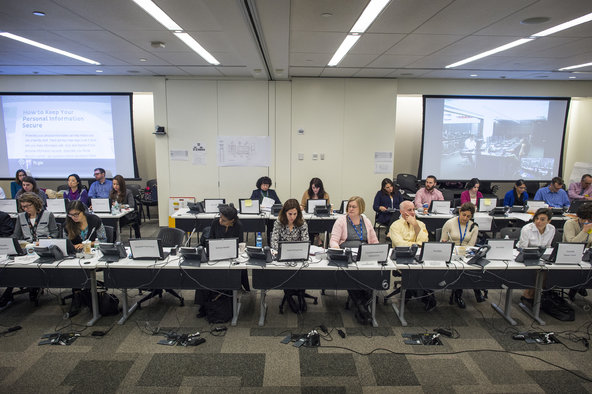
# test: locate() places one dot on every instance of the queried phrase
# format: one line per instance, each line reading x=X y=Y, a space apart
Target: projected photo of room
x=493 y=138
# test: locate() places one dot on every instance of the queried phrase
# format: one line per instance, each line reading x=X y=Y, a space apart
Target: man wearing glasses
x=101 y=187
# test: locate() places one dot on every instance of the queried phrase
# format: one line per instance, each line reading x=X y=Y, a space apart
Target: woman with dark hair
x=290 y=225
x=263 y=190
x=472 y=194
x=83 y=226
x=315 y=191
x=17 y=184
x=516 y=196
x=388 y=197
x=463 y=232
x=30 y=185
x=75 y=190
x=120 y=194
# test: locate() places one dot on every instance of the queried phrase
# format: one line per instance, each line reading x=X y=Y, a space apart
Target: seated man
x=101 y=187
x=406 y=231
x=427 y=194
x=581 y=190
x=553 y=195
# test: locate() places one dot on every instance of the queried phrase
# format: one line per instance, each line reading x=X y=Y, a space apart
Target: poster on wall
x=383 y=163
x=199 y=154
x=244 y=151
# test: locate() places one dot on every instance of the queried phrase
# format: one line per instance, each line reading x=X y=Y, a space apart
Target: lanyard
x=462 y=236
x=33 y=228
x=359 y=233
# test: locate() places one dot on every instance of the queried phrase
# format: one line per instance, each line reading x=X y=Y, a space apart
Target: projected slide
x=55 y=135
x=493 y=138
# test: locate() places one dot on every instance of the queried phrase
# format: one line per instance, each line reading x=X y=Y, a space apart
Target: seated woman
x=75 y=190
x=17 y=184
x=579 y=230
x=472 y=194
x=81 y=226
x=30 y=185
x=353 y=229
x=120 y=194
x=226 y=226
x=388 y=197
x=463 y=232
x=31 y=224
x=315 y=191
x=538 y=233
x=290 y=226
x=263 y=190
x=516 y=196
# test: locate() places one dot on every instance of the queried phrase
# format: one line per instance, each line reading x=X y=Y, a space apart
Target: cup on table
x=87 y=247
x=242 y=246
x=30 y=248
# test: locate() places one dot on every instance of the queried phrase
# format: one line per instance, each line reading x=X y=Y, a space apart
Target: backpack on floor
x=553 y=304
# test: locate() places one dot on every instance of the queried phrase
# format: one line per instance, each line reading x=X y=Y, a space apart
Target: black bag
x=361 y=300
x=218 y=307
x=108 y=304
x=553 y=304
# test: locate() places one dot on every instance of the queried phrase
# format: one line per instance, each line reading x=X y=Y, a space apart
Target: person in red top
x=472 y=194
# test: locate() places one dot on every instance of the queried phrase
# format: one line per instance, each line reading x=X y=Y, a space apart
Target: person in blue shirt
x=263 y=190
x=516 y=196
x=554 y=195
x=17 y=184
x=101 y=187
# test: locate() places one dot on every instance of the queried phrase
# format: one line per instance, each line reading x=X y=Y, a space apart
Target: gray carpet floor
x=483 y=356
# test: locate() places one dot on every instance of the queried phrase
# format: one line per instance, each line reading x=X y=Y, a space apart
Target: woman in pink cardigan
x=353 y=229
x=472 y=194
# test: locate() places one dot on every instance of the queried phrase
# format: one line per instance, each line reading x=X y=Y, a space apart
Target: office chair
x=63 y=187
x=150 y=199
x=511 y=232
x=170 y=237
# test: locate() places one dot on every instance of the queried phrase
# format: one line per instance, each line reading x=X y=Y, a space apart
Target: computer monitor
x=100 y=205
x=56 y=205
x=487 y=204
x=566 y=253
x=8 y=206
x=293 y=251
x=248 y=206
x=310 y=204
x=501 y=249
x=11 y=247
x=373 y=253
x=440 y=207
x=222 y=249
x=147 y=249
x=436 y=251
x=211 y=205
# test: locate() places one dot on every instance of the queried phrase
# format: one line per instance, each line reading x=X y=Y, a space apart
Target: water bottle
x=506 y=237
x=425 y=209
x=507 y=209
x=259 y=240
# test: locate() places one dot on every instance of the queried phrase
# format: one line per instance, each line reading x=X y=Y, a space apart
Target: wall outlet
x=300 y=156
x=315 y=156
x=322 y=156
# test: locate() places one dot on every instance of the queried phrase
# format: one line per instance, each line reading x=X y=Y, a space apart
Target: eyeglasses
x=25 y=206
x=74 y=215
x=97 y=173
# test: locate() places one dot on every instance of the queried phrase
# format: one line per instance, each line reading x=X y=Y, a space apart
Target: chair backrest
x=110 y=231
x=63 y=187
x=438 y=234
x=135 y=189
x=447 y=194
x=511 y=232
x=152 y=185
x=171 y=236
x=60 y=230
x=558 y=237
x=407 y=182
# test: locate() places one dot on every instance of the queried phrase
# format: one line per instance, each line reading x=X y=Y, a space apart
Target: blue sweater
x=383 y=200
x=510 y=198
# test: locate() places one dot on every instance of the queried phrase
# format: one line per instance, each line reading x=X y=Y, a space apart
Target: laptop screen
x=441 y=207
x=487 y=204
x=249 y=206
x=310 y=204
x=211 y=204
x=222 y=249
x=10 y=247
x=146 y=248
x=501 y=249
x=8 y=206
x=373 y=252
x=436 y=251
x=100 y=205
x=291 y=251
x=56 y=205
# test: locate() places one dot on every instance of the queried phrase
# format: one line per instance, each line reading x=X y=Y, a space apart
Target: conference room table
x=80 y=273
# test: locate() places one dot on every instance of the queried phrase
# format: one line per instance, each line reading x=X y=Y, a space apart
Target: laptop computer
x=248 y=206
x=51 y=250
x=100 y=205
x=222 y=249
x=373 y=253
x=436 y=253
x=8 y=206
x=576 y=204
x=147 y=249
x=112 y=252
x=500 y=249
x=487 y=204
x=534 y=205
x=211 y=205
x=11 y=247
x=440 y=207
x=294 y=251
x=56 y=205
x=311 y=204
x=566 y=253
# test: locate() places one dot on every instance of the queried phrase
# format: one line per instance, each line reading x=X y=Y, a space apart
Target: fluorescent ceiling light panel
x=372 y=10
x=191 y=43
x=48 y=48
x=158 y=14
x=343 y=49
x=491 y=52
x=563 y=26
x=577 y=66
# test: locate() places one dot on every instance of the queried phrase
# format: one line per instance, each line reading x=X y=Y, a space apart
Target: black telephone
x=479 y=256
x=587 y=257
x=340 y=256
x=48 y=254
x=114 y=250
x=193 y=256
x=257 y=253
x=195 y=207
x=404 y=252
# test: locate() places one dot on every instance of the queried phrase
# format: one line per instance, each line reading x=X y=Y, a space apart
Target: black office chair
x=408 y=183
x=558 y=237
x=170 y=237
x=510 y=232
x=63 y=187
x=150 y=198
x=110 y=232
x=438 y=234
x=137 y=193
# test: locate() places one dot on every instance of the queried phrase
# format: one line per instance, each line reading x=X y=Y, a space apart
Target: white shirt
x=531 y=237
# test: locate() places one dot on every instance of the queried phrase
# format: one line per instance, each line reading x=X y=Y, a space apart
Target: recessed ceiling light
x=474 y=75
x=572 y=77
x=38 y=13
x=576 y=66
x=99 y=71
x=535 y=20
x=326 y=15
x=143 y=60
